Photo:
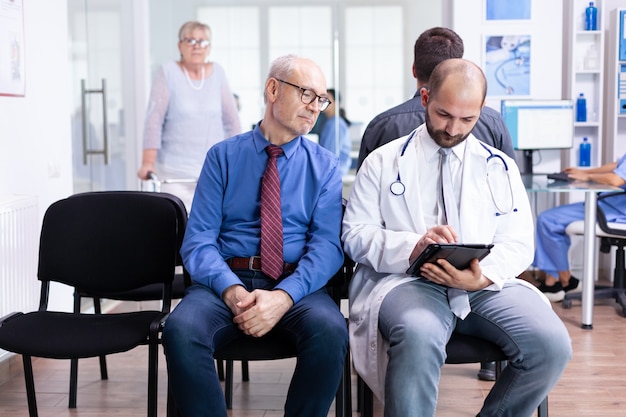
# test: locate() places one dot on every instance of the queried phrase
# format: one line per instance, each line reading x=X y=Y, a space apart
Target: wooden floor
x=594 y=383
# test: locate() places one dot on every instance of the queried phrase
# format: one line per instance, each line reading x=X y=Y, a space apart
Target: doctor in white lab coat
x=394 y=212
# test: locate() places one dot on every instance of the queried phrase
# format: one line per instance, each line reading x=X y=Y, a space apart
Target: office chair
x=610 y=234
x=150 y=292
x=102 y=242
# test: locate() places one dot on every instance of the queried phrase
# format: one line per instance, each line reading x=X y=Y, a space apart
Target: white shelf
x=585 y=75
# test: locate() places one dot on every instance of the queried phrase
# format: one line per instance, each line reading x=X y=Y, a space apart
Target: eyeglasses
x=308 y=96
x=203 y=43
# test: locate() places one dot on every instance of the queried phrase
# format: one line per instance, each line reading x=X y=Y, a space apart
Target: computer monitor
x=539 y=124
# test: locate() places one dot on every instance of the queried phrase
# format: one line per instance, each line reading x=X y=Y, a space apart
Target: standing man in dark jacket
x=432 y=47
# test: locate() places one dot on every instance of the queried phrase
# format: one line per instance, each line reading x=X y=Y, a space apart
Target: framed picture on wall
x=506 y=64
x=507 y=9
x=12 y=73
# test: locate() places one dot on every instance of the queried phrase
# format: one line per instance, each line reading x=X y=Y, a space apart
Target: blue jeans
x=416 y=320
x=202 y=323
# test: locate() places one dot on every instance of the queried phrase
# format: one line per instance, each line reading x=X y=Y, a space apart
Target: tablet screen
x=458 y=254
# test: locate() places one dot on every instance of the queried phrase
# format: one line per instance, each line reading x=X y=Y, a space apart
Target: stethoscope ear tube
x=397 y=188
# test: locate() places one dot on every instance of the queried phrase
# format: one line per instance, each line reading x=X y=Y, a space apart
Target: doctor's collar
x=432 y=148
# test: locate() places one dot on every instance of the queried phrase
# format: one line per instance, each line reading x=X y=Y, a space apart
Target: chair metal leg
x=343 y=399
x=359 y=395
x=542 y=410
x=97 y=308
x=245 y=375
x=367 y=399
x=172 y=409
x=153 y=378
x=219 y=364
x=73 y=383
x=104 y=374
x=30 y=385
x=228 y=385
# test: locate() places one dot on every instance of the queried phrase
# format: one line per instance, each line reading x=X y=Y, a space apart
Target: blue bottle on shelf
x=584 y=153
x=581 y=108
x=591 y=17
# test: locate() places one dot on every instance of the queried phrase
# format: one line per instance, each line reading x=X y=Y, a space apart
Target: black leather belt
x=253 y=263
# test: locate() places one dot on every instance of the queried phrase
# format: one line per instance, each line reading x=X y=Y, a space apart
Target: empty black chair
x=150 y=292
x=103 y=242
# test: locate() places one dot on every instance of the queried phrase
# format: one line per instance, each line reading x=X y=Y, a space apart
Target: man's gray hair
x=281 y=68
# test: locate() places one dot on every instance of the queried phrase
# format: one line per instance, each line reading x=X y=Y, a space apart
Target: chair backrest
x=610 y=228
x=182 y=215
x=110 y=241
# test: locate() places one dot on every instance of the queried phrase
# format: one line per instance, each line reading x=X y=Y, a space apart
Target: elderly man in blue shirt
x=231 y=297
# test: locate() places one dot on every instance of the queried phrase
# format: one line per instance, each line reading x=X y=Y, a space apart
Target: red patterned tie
x=271 y=217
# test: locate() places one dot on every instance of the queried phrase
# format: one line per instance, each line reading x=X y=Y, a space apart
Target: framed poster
x=506 y=64
x=12 y=72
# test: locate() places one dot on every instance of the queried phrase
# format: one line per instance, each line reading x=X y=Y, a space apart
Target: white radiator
x=19 y=244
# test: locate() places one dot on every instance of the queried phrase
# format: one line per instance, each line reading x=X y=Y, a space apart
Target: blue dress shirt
x=225 y=219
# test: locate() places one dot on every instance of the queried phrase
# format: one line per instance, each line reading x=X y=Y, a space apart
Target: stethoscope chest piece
x=397 y=188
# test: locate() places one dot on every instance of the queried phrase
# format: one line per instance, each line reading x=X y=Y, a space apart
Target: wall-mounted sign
x=12 y=71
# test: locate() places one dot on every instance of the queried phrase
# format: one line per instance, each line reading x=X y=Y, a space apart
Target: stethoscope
x=398 y=188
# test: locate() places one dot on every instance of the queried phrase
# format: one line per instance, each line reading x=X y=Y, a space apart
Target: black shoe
x=487 y=371
x=574 y=285
x=554 y=292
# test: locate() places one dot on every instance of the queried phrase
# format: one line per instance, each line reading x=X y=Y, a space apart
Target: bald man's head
x=454 y=101
x=460 y=71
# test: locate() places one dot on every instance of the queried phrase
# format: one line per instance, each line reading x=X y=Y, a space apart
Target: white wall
x=35 y=142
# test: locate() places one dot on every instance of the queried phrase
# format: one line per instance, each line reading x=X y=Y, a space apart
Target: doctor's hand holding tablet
x=438 y=257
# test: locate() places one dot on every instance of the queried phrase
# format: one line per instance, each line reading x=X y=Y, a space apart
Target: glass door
x=103 y=152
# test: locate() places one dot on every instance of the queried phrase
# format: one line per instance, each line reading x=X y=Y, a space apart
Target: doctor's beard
x=441 y=137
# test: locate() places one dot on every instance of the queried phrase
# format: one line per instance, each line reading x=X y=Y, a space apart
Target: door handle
x=105 y=139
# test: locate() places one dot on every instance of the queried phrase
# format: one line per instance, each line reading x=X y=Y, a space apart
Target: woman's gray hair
x=190 y=26
x=281 y=68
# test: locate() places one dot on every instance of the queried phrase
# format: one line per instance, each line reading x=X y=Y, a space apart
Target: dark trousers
x=202 y=323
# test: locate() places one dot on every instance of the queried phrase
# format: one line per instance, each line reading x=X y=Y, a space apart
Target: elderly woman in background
x=191 y=108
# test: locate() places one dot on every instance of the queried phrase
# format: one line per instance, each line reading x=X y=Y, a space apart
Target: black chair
x=103 y=242
x=610 y=234
x=151 y=292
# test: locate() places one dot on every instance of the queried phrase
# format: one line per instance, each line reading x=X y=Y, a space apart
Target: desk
x=539 y=183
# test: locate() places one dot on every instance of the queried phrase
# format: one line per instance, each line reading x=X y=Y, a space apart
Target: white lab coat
x=381 y=229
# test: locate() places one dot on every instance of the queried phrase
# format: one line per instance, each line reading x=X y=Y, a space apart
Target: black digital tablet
x=458 y=254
